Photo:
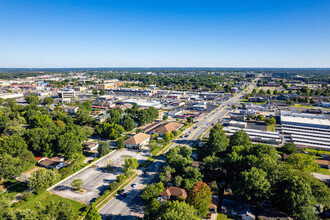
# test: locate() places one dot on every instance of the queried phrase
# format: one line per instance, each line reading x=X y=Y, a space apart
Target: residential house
x=137 y=141
x=102 y=118
x=52 y=163
x=91 y=146
x=71 y=109
x=173 y=193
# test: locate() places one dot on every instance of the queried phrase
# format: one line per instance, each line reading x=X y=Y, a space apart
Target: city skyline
x=274 y=34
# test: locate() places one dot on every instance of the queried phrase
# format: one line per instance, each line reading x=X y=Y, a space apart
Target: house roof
x=90 y=144
x=71 y=107
x=167 y=127
x=49 y=162
x=137 y=139
x=174 y=191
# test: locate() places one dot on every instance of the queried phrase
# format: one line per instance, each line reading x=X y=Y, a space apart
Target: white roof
x=303 y=120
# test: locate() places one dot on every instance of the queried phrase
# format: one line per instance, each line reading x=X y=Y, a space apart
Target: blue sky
x=164 y=33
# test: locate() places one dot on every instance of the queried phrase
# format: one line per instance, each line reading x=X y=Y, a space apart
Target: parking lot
x=95 y=178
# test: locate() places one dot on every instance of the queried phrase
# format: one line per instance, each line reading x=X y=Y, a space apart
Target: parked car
x=122 y=196
x=134 y=185
x=121 y=191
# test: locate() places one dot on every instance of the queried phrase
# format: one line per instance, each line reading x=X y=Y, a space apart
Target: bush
x=27 y=195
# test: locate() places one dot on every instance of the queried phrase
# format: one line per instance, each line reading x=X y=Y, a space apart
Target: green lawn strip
x=317 y=152
x=108 y=195
x=46 y=197
x=271 y=128
x=323 y=171
x=147 y=162
x=301 y=106
x=222 y=217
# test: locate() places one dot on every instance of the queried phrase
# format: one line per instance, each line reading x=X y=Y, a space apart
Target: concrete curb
x=50 y=188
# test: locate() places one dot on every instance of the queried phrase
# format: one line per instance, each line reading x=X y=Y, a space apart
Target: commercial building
x=257 y=136
x=166 y=127
x=66 y=93
x=11 y=95
x=306 y=130
x=137 y=141
x=142 y=103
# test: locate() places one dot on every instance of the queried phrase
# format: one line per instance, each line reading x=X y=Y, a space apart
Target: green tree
x=77 y=184
x=218 y=142
x=94 y=91
x=152 y=209
x=9 y=166
x=168 y=136
x=270 y=121
x=289 y=148
x=254 y=186
x=152 y=192
x=114 y=116
x=103 y=149
x=49 y=100
x=128 y=123
x=178 y=181
x=102 y=92
x=260 y=117
x=303 y=162
x=200 y=197
x=88 y=105
x=120 y=143
x=294 y=196
x=240 y=138
x=56 y=209
x=42 y=179
x=93 y=214
x=190 y=120
x=130 y=164
x=32 y=99
x=179 y=158
x=176 y=210
x=69 y=145
x=165 y=117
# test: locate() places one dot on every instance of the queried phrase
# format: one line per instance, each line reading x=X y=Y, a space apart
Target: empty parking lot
x=95 y=178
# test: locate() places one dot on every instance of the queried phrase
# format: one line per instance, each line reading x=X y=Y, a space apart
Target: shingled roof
x=137 y=139
x=174 y=191
x=167 y=127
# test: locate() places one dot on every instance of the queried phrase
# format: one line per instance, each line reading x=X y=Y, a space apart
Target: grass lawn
x=222 y=217
x=302 y=106
x=323 y=171
x=45 y=197
x=271 y=128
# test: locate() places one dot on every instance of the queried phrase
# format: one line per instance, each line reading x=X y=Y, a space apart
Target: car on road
x=134 y=185
x=122 y=196
x=195 y=127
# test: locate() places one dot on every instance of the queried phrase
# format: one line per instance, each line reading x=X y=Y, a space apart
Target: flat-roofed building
x=306 y=130
x=66 y=93
x=257 y=136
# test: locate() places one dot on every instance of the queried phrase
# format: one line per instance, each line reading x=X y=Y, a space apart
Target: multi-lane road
x=131 y=207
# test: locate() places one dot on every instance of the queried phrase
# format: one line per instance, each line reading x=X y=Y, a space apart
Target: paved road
x=132 y=206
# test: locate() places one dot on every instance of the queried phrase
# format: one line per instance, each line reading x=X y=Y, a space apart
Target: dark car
x=121 y=191
x=122 y=196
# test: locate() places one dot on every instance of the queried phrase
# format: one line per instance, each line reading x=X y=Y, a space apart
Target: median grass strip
x=108 y=195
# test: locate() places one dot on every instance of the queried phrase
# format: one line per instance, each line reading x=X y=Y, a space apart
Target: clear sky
x=164 y=33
